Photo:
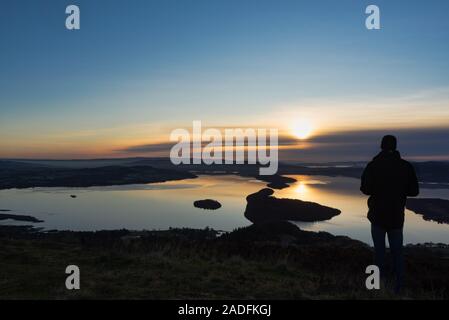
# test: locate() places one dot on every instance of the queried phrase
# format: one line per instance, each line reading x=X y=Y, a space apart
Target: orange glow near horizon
x=118 y=142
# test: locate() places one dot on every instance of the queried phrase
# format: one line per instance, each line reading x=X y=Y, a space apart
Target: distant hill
x=431 y=174
x=21 y=175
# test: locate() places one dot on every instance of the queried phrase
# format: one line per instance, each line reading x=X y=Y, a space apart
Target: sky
x=138 y=69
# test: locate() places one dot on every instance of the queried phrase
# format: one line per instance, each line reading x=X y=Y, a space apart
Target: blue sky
x=136 y=69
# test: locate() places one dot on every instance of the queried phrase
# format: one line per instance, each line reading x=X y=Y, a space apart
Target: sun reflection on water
x=301 y=188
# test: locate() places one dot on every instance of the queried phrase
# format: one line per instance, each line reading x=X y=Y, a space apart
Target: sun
x=302 y=129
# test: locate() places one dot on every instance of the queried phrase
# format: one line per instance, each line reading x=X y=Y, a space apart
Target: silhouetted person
x=388 y=180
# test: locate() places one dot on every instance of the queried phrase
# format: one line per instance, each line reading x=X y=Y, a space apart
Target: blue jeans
x=395 y=239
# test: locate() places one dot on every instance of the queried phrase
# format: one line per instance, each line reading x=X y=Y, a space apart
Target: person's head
x=389 y=143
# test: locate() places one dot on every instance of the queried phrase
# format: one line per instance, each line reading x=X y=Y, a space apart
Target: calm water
x=164 y=205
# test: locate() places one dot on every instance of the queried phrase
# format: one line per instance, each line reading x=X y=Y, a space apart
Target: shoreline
x=31 y=229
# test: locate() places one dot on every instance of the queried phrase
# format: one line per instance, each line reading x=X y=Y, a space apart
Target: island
x=207 y=204
x=431 y=209
x=276 y=181
x=262 y=207
x=17 y=217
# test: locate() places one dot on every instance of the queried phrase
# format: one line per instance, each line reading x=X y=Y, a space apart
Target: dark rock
x=262 y=207
x=431 y=209
x=72 y=196
x=207 y=204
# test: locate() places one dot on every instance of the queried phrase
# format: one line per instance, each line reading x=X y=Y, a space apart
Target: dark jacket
x=388 y=180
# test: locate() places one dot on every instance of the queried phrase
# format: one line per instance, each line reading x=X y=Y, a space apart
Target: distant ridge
x=431 y=174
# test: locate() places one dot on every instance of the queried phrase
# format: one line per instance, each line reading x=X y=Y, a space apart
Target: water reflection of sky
x=343 y=193
x=170 y=204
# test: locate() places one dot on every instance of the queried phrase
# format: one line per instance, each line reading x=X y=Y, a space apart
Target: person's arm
x=412 y=183
x=366 y=181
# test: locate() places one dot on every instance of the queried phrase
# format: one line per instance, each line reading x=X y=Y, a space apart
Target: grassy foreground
x=271 y=261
